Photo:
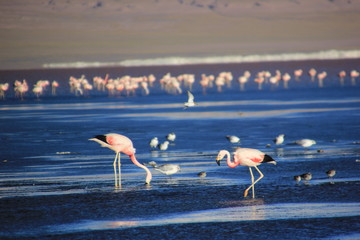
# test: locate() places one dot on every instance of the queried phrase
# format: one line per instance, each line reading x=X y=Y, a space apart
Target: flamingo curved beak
x=218 y=161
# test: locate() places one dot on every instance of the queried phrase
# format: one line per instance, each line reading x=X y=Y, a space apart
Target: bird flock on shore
x=132 y=85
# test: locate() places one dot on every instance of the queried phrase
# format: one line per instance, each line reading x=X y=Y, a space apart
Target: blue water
x=55 y=184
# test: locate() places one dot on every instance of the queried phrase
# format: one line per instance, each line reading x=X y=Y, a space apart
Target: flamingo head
x=220 y=156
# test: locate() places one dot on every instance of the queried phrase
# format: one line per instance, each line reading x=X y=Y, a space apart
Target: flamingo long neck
x=229 y=162
x=148 y=173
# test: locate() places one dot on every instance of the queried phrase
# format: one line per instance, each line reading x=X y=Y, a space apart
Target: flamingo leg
x=119 y=165
x=116 y=183
x=252 y=182
x=252 y=185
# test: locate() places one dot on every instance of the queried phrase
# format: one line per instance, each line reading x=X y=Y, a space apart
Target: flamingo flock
x=132 y=85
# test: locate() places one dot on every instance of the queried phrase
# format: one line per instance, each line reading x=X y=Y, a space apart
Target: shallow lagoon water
x=55 y=184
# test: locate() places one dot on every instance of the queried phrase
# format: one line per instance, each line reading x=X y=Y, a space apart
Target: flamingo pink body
x=120 y=144
x=246 y=157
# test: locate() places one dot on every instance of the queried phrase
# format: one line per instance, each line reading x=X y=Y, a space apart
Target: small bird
x=190 y=102
x=233 y=139
x=154 y=142
x=171 y=137
x=279 y=139
x=305 y=142
x=164 y=146
x=151 y=163
x=297 y=178
x=306 y=176
x=331 y=173
x=168 y=169
x=202 y=174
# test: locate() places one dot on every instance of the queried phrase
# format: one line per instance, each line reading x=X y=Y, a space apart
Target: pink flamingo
x=54 y=85
x=204 y=82
x=120 y=144
x=259 y=80
x=3 y=88
x=342 y=75
x=312 y=73
x=354 y=74
x=286 y=78
x=321 y=76
x=246 y=157
x=297 y=74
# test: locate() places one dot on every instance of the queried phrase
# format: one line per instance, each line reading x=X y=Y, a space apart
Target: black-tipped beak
x=218 y=162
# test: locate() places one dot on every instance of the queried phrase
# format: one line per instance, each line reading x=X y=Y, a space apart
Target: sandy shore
x=38 y=32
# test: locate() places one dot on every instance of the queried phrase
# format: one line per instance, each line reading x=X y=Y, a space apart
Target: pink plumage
x=246 y=157
x=120 y=144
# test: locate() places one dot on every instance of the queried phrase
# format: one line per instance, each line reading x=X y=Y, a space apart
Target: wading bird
x=233 y=139
x=154 y=142
x=306 y=176
x=168 y=169
x=202 y=174
x=171 y=137
x=120 y=144
x=331 y=173
x=305 y=142
x=164 y=146
x=279 y=139
x=297 y=178
x=246 y=157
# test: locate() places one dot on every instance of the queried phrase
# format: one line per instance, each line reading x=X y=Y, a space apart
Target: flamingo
x=120 y=144
x=3 y=88
x=297 y=74
x=312 y=73
x=54 y=85
x=242 y=80
x=246 y=157
x=321 y=76
x=354 y=74
x=259 y=80
x=342 y=75
x=286 y=78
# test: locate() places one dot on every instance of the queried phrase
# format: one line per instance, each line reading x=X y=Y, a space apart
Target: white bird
x=305 y=142
x=164 y=146
x=297 y=178
x=190 y=102
x=151 y=163
x=306 y=176
x=168 y=169
x=233 y=139
x=279 y=139
x=331 y=173
x=154 y=142
x=202 y=174
x=171 y=137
